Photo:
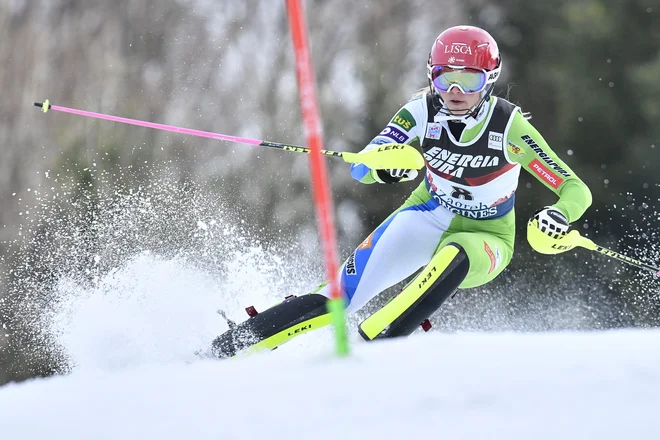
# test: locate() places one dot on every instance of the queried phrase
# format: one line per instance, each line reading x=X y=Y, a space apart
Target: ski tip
x=230 y=323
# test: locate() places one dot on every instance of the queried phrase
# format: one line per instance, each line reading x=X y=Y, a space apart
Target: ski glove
x=394 y=175
x=551 y=221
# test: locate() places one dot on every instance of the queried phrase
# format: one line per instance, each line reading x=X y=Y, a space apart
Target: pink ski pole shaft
x=45 y=106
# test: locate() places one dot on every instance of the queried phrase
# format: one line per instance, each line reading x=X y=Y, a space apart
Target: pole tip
x=45 y=106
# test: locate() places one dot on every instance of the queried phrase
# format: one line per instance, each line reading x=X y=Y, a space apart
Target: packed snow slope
x=134 y=293
x=592 y=385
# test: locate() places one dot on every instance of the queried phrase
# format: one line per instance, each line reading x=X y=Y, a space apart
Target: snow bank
x=598 y=385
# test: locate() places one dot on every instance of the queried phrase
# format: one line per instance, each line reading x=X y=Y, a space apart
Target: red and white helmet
x=464 y=49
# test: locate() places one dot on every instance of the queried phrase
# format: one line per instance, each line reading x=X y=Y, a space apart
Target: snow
x=129 y=336
x=601 y=385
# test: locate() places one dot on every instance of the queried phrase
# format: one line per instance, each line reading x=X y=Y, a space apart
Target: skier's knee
x=488 y=256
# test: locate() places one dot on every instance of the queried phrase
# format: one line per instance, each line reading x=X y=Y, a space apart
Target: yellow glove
x=547 y=232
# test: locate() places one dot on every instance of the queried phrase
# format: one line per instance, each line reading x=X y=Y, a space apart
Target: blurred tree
x=193 y=64
x=584 y=69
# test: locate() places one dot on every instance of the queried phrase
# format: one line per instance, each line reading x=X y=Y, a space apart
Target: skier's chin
x=458 y=110
x=457 y=107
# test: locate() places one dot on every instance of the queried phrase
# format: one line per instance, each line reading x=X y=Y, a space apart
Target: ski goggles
x=468 y=80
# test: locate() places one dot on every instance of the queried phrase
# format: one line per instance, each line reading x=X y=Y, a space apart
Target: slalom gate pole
x=319 y=174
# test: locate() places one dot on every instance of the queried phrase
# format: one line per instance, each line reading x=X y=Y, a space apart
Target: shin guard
x=421 y=297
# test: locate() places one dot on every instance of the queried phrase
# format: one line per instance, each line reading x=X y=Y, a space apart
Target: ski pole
x=384 y=157
x=575 y=239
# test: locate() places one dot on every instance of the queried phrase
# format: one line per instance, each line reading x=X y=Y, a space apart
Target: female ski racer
x=458 y=225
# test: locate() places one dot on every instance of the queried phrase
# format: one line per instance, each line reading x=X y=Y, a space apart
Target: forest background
x=587 y=70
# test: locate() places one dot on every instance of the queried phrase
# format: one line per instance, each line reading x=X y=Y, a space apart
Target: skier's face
x=460 y=103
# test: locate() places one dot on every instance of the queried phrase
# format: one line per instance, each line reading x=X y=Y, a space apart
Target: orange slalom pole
x=319 y=173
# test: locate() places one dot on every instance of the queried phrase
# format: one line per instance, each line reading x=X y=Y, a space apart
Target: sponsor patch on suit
x=495 y=140
x=433 y=130
x=394 y=134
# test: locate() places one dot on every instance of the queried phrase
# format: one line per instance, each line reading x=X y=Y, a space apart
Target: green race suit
x=458 y=225
x=467 y=196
